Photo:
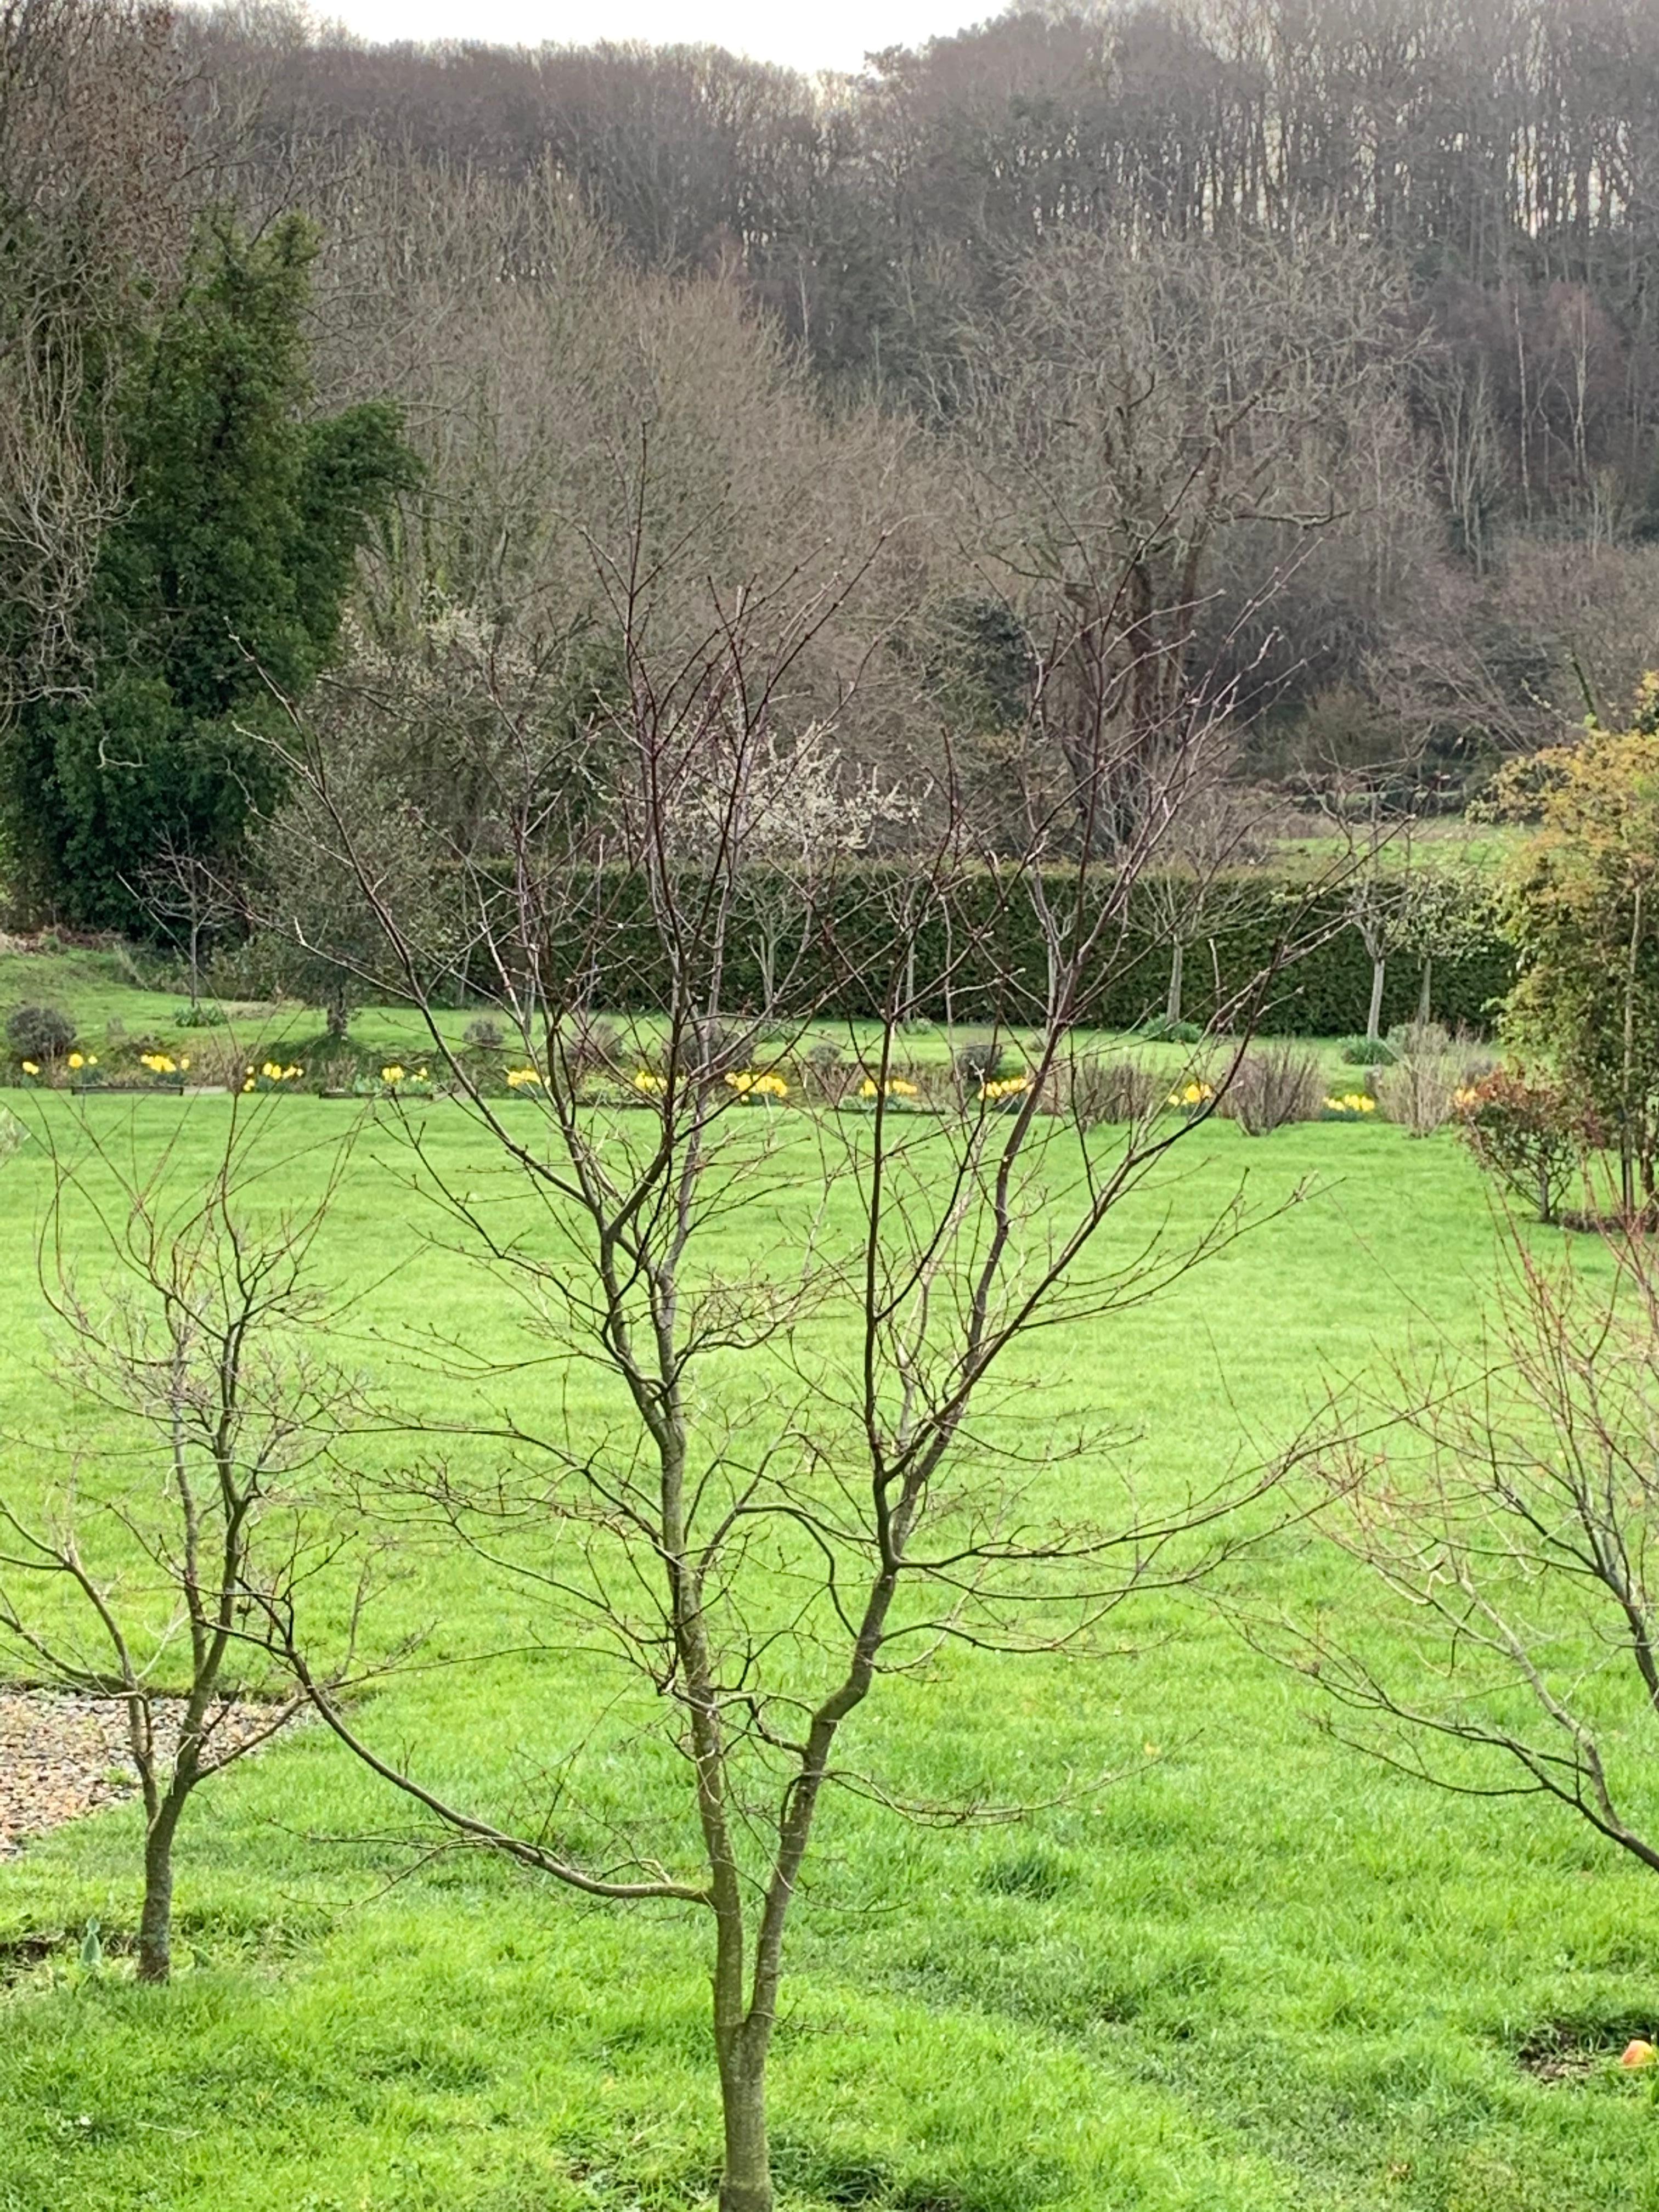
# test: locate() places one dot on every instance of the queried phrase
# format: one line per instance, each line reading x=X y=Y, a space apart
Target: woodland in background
x=1297 y=362
x=1493 y=162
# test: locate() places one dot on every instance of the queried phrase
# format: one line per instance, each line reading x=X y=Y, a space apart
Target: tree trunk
x=1374 y=1019
x=746 y=2176
x=1424 y=997
x=1176 y=951
x=156 y=1921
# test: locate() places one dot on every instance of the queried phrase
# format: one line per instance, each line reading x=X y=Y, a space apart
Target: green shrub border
x=980 y=955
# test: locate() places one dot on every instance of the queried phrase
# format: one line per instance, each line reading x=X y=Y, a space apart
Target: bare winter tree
x=192 y=901
x=1132 y=410
x=796 y=1475
x=1202 y=885
x=148 y=1575
x=1507 y=1510
x=92 y=212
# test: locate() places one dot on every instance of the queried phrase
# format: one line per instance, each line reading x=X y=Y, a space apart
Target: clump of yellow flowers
x=271 y=1074
x=752 y=1082
x=898 y=1088
x=1011 y=1086
x=1192 y=1094
x=162 y=1063
x=651 y=1083
x=523 y=1079
x=1356 y=1102
x=78 y=1060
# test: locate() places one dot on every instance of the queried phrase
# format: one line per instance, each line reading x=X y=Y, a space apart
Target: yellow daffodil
x=645 y=1080
x=31 y=1068
x=392 y=1075
x=76 y=1060
x=752 y=1082
x=521 y=1079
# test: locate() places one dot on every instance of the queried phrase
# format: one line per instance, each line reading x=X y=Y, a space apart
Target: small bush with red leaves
x=1531 y=1132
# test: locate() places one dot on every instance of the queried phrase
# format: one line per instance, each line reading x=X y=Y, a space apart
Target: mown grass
x=1255 y=1972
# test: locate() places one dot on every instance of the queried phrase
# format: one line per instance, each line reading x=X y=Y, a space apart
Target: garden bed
x=64 y=1755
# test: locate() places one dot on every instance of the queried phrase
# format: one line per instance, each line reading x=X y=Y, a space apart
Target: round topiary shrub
x=1158 y=1028
x=40 y=1032
x=1367 y=1052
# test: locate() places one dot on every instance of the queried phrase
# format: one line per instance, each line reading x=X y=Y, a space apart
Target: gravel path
x=62 y=1755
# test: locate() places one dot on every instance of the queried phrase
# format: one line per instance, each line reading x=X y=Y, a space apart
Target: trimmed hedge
x=980 y=955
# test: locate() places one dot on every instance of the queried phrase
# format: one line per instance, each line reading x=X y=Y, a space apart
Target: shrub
x=40 y=1032
x=1418 y=1092
x=592 y=1048
x=201 y=1015
x=1367 y=1052
x=824 y=1076
x=1274 y=1085
x=974 y=1066
x=1424 y=1039
x=1530 y=1131
x=1110 y=1088
x=482 y=1036
x=1160 y=1030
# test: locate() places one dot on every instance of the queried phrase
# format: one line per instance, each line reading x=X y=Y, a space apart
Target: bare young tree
x=1200 y=885
x=796 y=1475
x=192 y=899
x=148 y=1573
x=1506 y=1509
x=1387 y=884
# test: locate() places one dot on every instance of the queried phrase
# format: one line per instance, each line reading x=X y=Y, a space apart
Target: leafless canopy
x=779 y=1272
x=1509 y=1512
x=191 y=1513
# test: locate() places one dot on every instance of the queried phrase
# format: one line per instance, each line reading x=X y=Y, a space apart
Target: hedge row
x=979 y=954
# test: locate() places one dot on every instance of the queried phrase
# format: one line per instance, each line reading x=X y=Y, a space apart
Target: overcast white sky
x=808 y=34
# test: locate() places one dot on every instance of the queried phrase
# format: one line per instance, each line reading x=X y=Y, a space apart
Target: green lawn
x=1257 y=1971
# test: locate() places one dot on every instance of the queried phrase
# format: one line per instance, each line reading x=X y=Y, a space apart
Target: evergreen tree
x=225 y=575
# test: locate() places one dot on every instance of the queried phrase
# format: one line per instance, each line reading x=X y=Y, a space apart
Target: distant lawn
x=1256 y=1974
x=1481 y=848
